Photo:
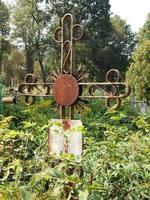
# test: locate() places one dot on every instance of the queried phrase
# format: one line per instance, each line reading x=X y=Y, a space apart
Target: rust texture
x=66 y=124
x=67 y=88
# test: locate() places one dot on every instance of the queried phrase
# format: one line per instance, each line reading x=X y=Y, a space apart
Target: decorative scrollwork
x=66 y=35
x=31 y=89
x=112 y=90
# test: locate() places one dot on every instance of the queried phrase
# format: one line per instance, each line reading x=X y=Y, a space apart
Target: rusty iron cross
x=67 y=88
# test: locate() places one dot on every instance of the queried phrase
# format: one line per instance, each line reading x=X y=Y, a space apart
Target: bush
x=115 y=162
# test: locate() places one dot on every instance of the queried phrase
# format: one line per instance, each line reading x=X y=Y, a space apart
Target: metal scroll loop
x=66 y=35
x=77 y=32
x=30 y=78
x=26 y=89
x=58 y=34
x=113 y=76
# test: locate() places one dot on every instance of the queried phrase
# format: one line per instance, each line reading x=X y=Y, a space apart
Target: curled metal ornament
x=30 y=89
x=113 y=75
x=115 y=106
x=66 y=35
x=27 y=89
x=31 y=78
x=113 y=90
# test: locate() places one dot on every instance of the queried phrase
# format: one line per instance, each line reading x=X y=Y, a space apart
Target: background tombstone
x=143 y=107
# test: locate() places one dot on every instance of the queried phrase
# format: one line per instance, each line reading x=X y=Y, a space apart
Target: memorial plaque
x=65 y=136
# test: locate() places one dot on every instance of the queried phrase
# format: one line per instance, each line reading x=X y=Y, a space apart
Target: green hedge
x=115 y=162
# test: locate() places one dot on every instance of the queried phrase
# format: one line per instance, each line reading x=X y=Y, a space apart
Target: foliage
x=1 y=94
x=138 y=74
x=144 y=33
x=115 y=162
x=4 y=32
x=122 y=42
x=30 y=31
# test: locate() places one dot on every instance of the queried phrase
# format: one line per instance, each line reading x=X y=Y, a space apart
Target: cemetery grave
x=72 y=138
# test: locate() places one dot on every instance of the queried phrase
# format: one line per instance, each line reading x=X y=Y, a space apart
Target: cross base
x=65 y=136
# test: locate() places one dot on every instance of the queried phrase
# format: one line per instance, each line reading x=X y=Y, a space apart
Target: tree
x=144 y=33
x=25 y=30
x=122 y=43
x=138 y=75
x=42 y=43
x=4 y=32
x=30 y=23
x=15 y=67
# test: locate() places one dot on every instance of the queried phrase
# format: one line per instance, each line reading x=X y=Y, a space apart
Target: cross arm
x=31 y=89
x=111 y=91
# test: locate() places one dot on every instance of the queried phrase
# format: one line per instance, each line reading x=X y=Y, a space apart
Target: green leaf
x=25 y=194
x=83 y=195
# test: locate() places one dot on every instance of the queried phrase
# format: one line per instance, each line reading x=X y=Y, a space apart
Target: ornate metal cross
x=67 y=88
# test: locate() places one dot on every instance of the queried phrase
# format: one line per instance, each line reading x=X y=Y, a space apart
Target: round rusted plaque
x=65 y=90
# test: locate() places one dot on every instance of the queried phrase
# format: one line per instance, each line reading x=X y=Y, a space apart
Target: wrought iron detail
x=68 y=88
x=30 y=89
x=67 y=35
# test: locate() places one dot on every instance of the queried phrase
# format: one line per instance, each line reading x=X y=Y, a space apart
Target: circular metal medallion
x=65 y=90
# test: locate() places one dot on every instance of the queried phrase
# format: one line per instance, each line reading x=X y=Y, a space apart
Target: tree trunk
x=30 y=60
x=42 y=70
x=1 y=56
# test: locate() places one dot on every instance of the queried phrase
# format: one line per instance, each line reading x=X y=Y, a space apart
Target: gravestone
x=143 y=107
x=65 y=136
